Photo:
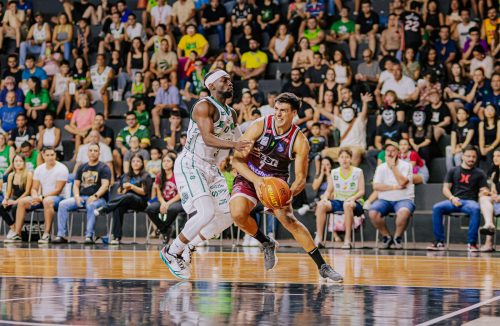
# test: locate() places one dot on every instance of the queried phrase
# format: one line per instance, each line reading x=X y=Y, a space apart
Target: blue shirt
x=26 y=6
x=491 y=98
x=39 y=72
x=9 y=116
x=449 y=48
x=170 y=96
x=125 y=15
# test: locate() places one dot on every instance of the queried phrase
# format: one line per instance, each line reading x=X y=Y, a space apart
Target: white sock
x=197 y=240
x=176 y=247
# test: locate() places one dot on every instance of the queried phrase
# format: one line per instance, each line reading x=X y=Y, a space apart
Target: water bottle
x=278 y=74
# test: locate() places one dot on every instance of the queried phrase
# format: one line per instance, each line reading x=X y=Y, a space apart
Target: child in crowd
x=317 y=144
x=141 y=113
x=138 y=90
x=153 y=166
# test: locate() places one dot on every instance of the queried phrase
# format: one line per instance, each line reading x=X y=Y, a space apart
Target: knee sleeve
x=220 y=222
x=205 y=212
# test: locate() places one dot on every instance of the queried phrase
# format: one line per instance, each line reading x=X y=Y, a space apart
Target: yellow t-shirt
x=490 y=29
x=187 y=43
x=253 y=60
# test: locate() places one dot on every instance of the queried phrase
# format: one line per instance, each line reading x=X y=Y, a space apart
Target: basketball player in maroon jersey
x=277 y=141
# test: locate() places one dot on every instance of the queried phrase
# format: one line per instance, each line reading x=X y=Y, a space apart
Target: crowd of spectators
x=394 y=90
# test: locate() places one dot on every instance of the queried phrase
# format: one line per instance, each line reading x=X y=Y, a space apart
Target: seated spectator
x=90 y=190
x=346 y=188
x=161 y=13
x=429 y=83
x=50 y=136
x=313 y=33
x=196 y=82
x=296 y=85
x=303 y=57
x=446 y=49
x=80 y=79
x=50 y=60
x=38 y=34
x=101 y=76
x=133 y=193
x=342 y=29
x=84 y=9
x=105 y=155
x=62 y=38
x=153 y=166
x=492 y=98
x=134 y=29
x=393 y=182
x=390 y=129
x=135 y=148
x=431 y=64
x=368 y=73
x=123 y=140
x=268 y=17
x=213 y=20
x=391 y=101
x=489 y=26
x=37 y=103
x=137 y=92
x=115 y=36
x=329 y=84
x=33 y=71
x=183 y=14
x=463 y=186
x=343 y=71
x=253 y=62
x=403 y=86
x=9 y=112
x=6 y=154
x=352 y=127
x=456 y=89
x=167 y=99
x=59 y=89
x=489 y=134
x=191 y=41
x=81 y=121
x=317 y=144
x=241 y=14
x=438 y=114
x=245 y=107
x=433 y=19
x=18 y=186
x=346 y=101
x=49 y=180
x=10 y=85
x=462 y=134
x=367 y=25
x=82 y=48
x=107 y=134
x=315 y=75
x=464 y=28
x=473 y=40
x=227 y=59
x=138 y=61
x=490 y=206
x=268 y=109
x=281 y=45
x=164 y=62
x=481 y=60
x=421 y=136
x=11 y=24
x=258 y=98
x=155 y=40
x=139 y=109
x=411 y=66
x=168 y=199
x=420 y=171
x=14 y=71
x=21 y=133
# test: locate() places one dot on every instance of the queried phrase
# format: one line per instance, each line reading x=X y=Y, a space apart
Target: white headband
x=213 y=77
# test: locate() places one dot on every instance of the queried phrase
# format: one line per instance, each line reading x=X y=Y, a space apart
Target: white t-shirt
x=49 y=178
x=357 y=134
x=403 y=88
x=384 y=175
x=385 y=76
x=105 y=156
x=136 y=31
x=160 y=14
x=463 y=32
x=486 y=64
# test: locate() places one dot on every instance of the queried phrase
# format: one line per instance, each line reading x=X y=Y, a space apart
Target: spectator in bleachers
x=21 y=133
x=253 y=63
x=433 y=19
x=342 y=29
x=37 y=102
x=391 y=101
x=62 y=37
x=80 y=78
x=489 y=26
x=49 y=180
x=490 y=206
x=123 y=140
x=213 y=21
x=83 y=9
x=481 y=60
x=33 y=71
x=411 y=66
x=456 y=89
x=107 y=134
x=83 y=34
x=115 y=36
x=12 y=70
x=258 y=97
x=90 y=188
x=413 y=27
x=463 y=186
x=155 y=40
x=343 y=71
x=462 y=134
x=431 y=64
x=346 y=101
x=153 y=166
x=317 y=144
x=296 y=14
x=393 y=182
x=268 y=109
x=163 y=62
x=39 y=33
x=489 y=133
x=9 y=112
x=105 y=155
x=282 y=44
x=464 y=28
x=345 y=191
x=402 y=85
x=121 y=5
x=81 y=121
x=11 y=24
x=268 y=17
x=195 y=83
x=133 y=30
x=18 y=186
x=315 y=75
x=189 y=42
x=50 y=60
x=50 y=136
x=329 y=84
x=101 y=77
x=296 y=85
x=303 y=57
x=140 y=111
x=138 y=61
x=352 y=127
x=313 y=33
x=245 y=107
x=495 y=46
x=133 y=192
x=420 y=171
x=32 y=156
x=390 y=129
x=6 y=155
x=315 y=9
x=445 y=47
x=161 y=14
x=168 y=199
x=368 y=73
x=429 y=83
x=135 y=148
x=167 y=99
x=367 y=25
x=420 y=133
x=183 y=14
x=471 y=42
x=59 y=88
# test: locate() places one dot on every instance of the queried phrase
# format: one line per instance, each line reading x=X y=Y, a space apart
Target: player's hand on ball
x=258 y=184
x=243 y=145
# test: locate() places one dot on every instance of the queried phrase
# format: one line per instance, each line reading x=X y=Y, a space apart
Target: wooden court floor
x=130 y=285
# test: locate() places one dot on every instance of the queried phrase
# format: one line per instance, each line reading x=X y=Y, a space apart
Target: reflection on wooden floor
x=218 y=266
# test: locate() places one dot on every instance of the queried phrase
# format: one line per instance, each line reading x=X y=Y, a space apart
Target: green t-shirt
x=342 y=28
x=142 y=133
x=39 y=99
x=31 y=161
x=142 y=118
x=4 y=160
x=381 y=156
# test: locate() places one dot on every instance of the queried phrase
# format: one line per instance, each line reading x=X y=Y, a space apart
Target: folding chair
x=330 y=217
x=83 y=212
x=35 y=213
x=412 y=226
x=457 y=215
x=135 y=226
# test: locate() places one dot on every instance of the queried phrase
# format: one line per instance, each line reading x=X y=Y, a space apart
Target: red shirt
x=169 y=189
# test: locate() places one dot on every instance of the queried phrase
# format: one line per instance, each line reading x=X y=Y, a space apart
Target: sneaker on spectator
x=45 y=239
x=99 y=211
x=303 y=210
x=367 y=206
x=436 y=246
x=398 y=243
x=346 y=245
x=59 y=240
x=472 y=247
x=115 y=242
x=12 y=237
x=88 y=241
x=387 y=242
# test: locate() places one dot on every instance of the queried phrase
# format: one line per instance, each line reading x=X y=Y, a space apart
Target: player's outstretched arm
x=202 y=114
x=240 y=158
x=301 y=153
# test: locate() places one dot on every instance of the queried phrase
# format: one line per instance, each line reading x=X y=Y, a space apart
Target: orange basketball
x=275 y=193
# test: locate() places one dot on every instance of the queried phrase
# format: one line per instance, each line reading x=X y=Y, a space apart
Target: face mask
x=418 y=118
x=347 y=114
x=389 y=116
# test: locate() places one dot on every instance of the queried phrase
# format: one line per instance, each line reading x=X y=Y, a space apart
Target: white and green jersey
x=345 y=186
x=223 y=129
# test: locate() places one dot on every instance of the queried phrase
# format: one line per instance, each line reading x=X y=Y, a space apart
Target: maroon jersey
x=272 y=153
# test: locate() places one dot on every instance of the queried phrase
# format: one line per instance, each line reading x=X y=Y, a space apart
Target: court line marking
x=71 y=295
x=459 y=312
x=11 y=322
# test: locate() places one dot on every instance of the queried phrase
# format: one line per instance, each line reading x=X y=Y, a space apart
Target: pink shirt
x=83 y=119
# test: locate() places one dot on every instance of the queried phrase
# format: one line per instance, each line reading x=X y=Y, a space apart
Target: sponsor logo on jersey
x=280 y=148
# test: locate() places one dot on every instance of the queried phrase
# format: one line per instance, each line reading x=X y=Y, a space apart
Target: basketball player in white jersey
x=101 y=77
x=203 y=189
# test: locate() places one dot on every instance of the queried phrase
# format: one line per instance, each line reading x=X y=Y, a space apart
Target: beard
x=227 y=94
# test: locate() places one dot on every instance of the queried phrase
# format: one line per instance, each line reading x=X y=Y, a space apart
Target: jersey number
x=412 y=25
